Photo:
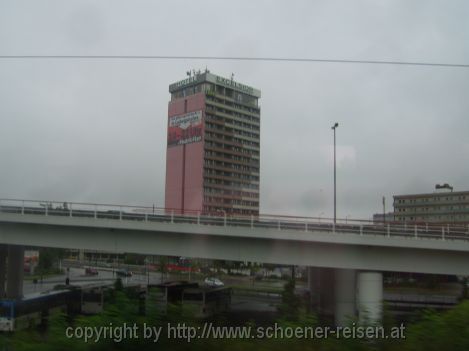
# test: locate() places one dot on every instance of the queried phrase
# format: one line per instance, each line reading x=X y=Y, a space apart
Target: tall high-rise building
x=213 y=150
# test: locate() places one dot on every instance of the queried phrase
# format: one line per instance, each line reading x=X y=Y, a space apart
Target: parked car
x=91 y=271
x=123 y=273
x=213 y=282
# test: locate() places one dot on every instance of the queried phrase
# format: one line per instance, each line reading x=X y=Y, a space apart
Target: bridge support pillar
x=81 y=255
x=370 y=297
x=321 y=287
x=345 y=296
x=3 y=268
x=15 y=272
x=332 y=293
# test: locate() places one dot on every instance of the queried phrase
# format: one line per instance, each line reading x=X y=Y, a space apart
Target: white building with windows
x=436 y=207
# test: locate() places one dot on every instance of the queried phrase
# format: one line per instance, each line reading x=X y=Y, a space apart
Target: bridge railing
x=448 y=231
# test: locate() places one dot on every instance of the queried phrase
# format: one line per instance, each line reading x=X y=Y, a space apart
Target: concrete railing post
x=22 y=208
x=46 y=208
x=172 y=216
x=361 y=229
x=198 y=217
x=95 y=212
x=146 y=217
x=71 y=210
x=224 y=218
x=252 y=221
x=306 y=226
x=278 y=224
x=389 y=230
x=415 y=231
x=442 y=233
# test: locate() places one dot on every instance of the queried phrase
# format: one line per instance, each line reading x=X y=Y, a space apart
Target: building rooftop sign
x=186 y=82
x=213 y=78
x=235 y=85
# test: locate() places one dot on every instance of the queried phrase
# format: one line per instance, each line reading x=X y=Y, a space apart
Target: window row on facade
x=434 y=218
x=224 y=116
x=227 y=148
x=238 y=105
x=232 y=125
x=230 y=131
x=235 y=98
x=233 y=139
x=216 y=191
x=214 y=113
x=221 y=200
x=231 y=166
x=433 y=208
x=241 y=176
x=231 y=158
x=231 y=183
x=432 y=199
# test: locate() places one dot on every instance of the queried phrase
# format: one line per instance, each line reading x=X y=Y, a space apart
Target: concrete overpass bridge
x=346 y=257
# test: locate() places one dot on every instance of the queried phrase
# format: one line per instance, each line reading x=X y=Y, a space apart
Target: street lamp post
x=384 y=210
x=334 y=127
x=147 y=262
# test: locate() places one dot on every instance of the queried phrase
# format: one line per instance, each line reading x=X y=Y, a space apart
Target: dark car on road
x=91 y=271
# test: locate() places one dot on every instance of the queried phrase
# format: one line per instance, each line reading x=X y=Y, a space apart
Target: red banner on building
x=185 y=129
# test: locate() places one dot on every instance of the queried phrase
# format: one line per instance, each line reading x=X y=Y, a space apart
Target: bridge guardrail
x=278 y=222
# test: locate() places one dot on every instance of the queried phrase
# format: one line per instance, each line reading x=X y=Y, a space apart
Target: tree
x=118 y=285
x=291 y=303
x=48 y=259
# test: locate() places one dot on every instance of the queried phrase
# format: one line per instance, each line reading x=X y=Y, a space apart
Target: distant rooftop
x=437 y=193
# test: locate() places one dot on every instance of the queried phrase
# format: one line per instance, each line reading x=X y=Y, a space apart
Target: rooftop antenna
x=232 y=76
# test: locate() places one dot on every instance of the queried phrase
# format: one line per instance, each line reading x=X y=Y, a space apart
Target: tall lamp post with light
x=334 y=127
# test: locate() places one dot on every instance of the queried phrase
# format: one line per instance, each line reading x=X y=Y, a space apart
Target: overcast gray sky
x=95 y=131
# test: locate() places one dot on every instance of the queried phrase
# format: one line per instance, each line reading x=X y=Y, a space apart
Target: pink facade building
x=212 y=157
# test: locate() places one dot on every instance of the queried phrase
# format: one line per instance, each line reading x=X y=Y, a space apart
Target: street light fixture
x=334 y=127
